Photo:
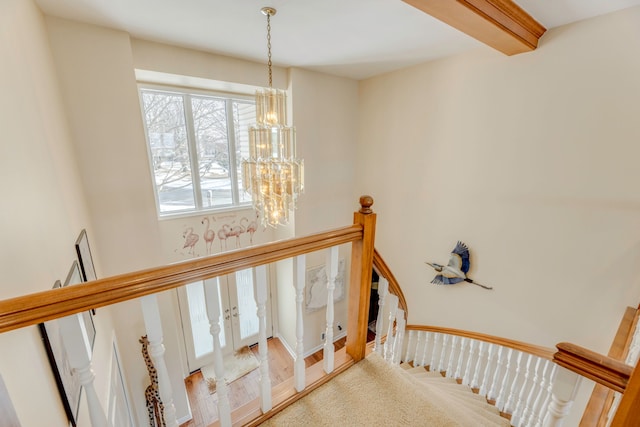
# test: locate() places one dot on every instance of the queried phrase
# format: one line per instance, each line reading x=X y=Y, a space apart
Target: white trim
x=185 y=418
x=286 y=345
x=186 y=96
x=321 y=346
x=117 y=363
x=149 y=77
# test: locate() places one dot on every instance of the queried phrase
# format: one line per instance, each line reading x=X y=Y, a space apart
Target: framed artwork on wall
x=7 y=411
x=316 y=286
x=73 y=278
x=66 y=379
x=84 y=257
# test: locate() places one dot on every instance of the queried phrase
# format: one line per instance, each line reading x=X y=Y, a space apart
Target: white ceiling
x=352 y=38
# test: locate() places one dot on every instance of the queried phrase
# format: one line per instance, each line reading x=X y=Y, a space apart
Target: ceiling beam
x=501 y=24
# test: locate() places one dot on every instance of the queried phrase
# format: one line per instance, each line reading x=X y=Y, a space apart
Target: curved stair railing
x=516 y=377
x=530 y=385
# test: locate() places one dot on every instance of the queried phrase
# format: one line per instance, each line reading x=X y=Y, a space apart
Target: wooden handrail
x=383 y=270
x=597 y=410
x=602 y=369
x=42 y=306
x=544 y=352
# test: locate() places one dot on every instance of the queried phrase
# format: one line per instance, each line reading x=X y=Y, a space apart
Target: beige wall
x=95 y=66
x=43 y=209
x=98 y=63
x=528 y=159
x=532 y=161
x=325 y=114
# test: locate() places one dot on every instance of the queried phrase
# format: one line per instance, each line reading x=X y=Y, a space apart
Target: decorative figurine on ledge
x=457 y=269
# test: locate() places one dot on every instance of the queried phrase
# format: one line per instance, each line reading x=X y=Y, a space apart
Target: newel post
x=360 y=288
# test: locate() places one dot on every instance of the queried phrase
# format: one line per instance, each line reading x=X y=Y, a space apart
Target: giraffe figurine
x=155 y=407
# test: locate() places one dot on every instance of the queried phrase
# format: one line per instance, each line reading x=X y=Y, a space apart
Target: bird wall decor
x=457 y=269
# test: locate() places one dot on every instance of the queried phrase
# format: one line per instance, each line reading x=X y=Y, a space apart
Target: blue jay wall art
x=457 y=269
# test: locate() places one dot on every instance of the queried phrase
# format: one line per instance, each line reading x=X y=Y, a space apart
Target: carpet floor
x=375 y=393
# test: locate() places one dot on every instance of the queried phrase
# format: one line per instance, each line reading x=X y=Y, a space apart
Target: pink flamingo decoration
x=236 y=231
x=190 y=240
x=208 y=235
x=222 y=236
x=252 y=227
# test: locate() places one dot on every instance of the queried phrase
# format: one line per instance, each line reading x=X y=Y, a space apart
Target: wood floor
x=204 y=406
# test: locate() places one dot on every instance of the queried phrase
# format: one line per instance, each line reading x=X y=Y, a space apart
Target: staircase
x=470 y=408
x=374 y=392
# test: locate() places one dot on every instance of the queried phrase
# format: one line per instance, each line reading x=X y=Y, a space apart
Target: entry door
x=238 y=320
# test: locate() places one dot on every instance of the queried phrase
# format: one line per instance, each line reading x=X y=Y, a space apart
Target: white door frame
x=229 y=323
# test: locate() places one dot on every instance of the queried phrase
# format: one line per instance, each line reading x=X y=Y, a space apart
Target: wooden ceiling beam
x=501 y=24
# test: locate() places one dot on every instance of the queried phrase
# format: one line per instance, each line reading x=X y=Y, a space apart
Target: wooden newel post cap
x=365 y=204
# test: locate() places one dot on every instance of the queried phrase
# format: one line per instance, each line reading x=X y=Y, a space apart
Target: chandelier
x=272 y=174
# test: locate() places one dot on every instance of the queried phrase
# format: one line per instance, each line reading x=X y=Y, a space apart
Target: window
x=196 y=143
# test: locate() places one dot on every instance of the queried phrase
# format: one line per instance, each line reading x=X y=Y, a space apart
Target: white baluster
x=533 y=387
x=420 y=340
x=433 y=364
x=565 y=387
x=466 y=378
x=455 y=346
x=261 y=302
x=540 y=388
x=392 y=301
x=633 y=354
x=299 y=365
x=482 y=353
x=383 y=287
x=411 y=342
x=614 y=407
x=332 y=271
x=78 y=349
x=524 y=386
x=493 y=391
x=428 y=337
x=151 y=314
x=501 y=400
x=510 y=405
x=463 y=351
x=488 y=370
x=397 y=342
x=442 y=367
x=212 y=300
x=547 y=396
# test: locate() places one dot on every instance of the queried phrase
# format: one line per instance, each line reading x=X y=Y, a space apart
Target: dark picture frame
x=84 y=257
x=74 y=277
x=7 y=411
x=67 y=381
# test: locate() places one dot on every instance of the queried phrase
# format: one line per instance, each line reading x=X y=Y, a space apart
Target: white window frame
x=187 y=93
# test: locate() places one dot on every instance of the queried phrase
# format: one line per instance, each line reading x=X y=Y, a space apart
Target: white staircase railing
x=213 y=312
x=521 y=380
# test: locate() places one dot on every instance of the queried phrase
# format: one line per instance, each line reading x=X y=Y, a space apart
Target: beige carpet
x=374 y=393
x=235 y=366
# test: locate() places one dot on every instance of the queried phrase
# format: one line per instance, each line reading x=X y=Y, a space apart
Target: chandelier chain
x=269 y=48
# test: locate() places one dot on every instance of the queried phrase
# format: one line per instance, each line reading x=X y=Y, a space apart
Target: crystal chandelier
x=272 y=175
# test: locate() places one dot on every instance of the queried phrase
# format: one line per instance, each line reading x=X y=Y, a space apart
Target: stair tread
x=433 y=383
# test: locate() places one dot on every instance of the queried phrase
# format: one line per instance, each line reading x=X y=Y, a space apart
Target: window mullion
x=193 y=152
x=231 y=136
